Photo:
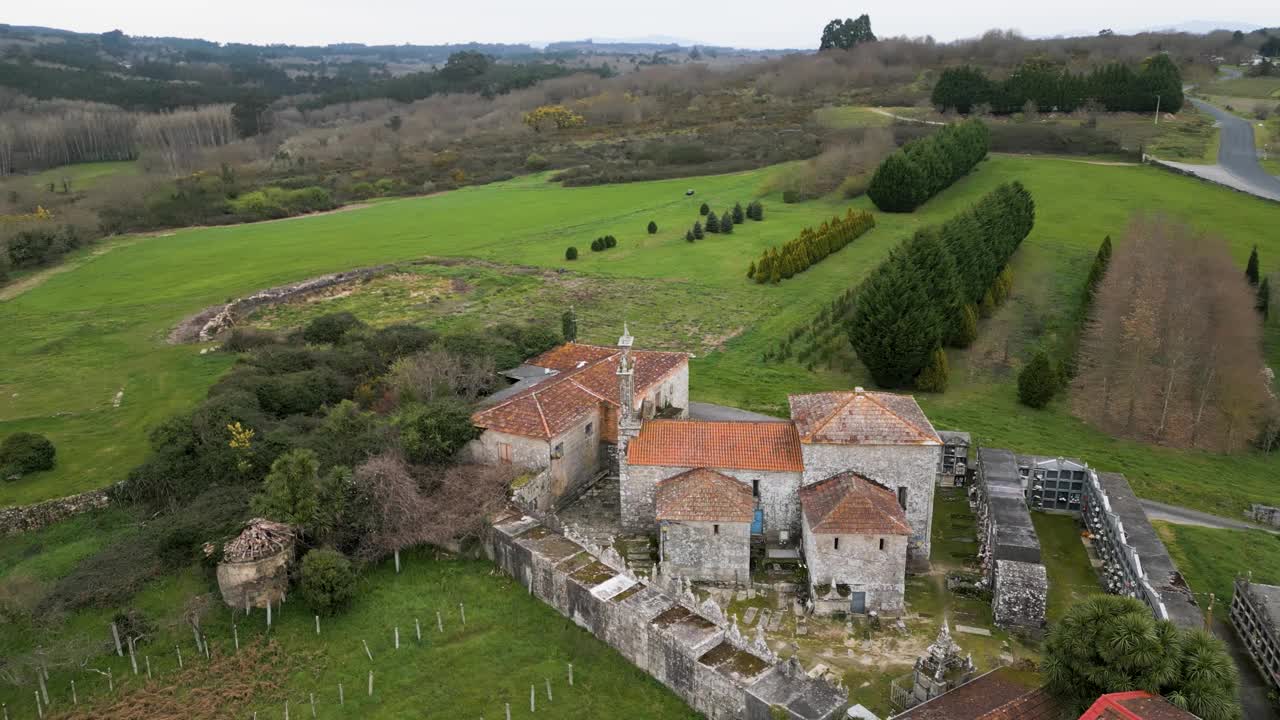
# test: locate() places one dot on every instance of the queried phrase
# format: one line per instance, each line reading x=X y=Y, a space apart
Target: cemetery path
x=1183 y=516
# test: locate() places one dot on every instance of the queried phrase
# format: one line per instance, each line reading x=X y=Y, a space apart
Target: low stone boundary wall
x=26 y=518
x=661 y=628
x=1020 y=595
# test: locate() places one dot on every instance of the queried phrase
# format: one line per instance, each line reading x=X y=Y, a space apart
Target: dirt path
x=1032 y=156
x=904 y=118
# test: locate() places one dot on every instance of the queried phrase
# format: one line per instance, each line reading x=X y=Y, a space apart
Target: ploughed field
x=79 y=339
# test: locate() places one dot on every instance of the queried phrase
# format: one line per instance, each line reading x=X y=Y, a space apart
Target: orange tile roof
x=586 y=378
x=705 y=495
x=735 y=444
x=861 y=417
x=996 y=695
x=1134 y=705
x=850 y=503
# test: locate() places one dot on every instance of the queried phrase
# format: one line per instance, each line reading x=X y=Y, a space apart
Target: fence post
x=508 y=712
x=463 y=612
x=179 y=649
x=570 y=674
x=417 y=627
x=111 y=683
x=313 y=704
x=317 y=625
x=286 y=710
x=74 y=699
x=370 y=683
x=235 y=634
x=115 y=634
x=342 y=698
x=147 y=658
x=549 y=698
x=533 y=699
x=268 y=614
x=133 y=659
x=397 y=554
x=366 y=649
x=439 y=622
x=396 y=629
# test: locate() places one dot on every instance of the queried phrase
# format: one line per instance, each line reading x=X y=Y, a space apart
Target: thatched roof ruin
x=261 y=538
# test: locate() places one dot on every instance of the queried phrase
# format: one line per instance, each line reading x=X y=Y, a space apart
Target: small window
x=755 y=488
x=590 y=428
x=902 y=497
x=558 y=452
x=715 y=529
x=881 y=543
x=836 y=544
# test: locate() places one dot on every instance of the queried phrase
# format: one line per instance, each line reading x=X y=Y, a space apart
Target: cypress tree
x=1100 y=262
x=1251 y=270
x=610 y=241
x=1037 y=381
x=935 y=376
x=968 y=329
x=751 y=271
x=571 y=253
x=759 y=210
x=713 y=223
x=738 y=216
x=1264 y=298
x=653 y=227
x=697 y=230
x=726 y=223
x=597 y=245
x=895 y=327
x=931 y=262
x=704 y=209
x=688 y=235
x=898 y=185
x=569 y=325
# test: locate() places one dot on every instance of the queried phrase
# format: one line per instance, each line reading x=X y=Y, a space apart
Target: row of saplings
x=931 y=290
x=810 y=247
x=723 y=224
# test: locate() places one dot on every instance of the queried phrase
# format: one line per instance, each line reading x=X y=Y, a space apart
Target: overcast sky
x=744 y=23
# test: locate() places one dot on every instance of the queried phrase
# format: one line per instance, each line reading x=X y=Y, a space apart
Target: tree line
x=922 y=169
x=810 y=247
x=1047 y=86
x=929 y=291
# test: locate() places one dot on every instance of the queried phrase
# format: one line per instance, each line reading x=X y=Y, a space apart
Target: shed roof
x=586 y=377
x=731 y=444
x=861 y=417
x=850 y=503
x=704 y=495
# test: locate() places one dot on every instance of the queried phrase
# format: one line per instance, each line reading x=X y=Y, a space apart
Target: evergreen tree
x=704 y=209
x=759 y=210
x=726 y=223
x=653 y=227
x=688 y=235
x=751 y=271
x=571 y=253
x=898 y=185
x=935 y=376
x=569 y=325
x=1251 y=270
x=895 y=326
x=713 y=223
x=931 y=262
x=739 y=216
x=968 y=330
x=597 y=245
x=610 y=241
x=697 y=230
x=1037 y=381
x=1100 y=262
x=1264 y=298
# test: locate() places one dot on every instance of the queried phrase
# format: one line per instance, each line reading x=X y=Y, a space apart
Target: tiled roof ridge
x=908 y=423
x=555 y=381
x=847 y=484
x=831 y=415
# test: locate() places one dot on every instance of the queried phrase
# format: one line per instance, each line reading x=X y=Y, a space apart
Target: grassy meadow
x=82 y=336
x=1210 y=559
x=81 y=176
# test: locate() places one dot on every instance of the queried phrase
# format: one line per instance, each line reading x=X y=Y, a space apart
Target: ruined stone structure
x=704 y=521
x=855 y=541
x=254 y=570
x=1008 y=542
x=661 y=628
x=1134 y=560
x=1255 y=615
x=28 y=518
x=565 y=417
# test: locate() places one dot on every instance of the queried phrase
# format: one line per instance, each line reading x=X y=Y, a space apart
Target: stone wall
x=1020 y=594
x=779 y=495
x=26 y=518
x=860 y=564
x=914 y=467
x=257 y=583
x=1265 y=514
x=660 y=627
x=718 y=552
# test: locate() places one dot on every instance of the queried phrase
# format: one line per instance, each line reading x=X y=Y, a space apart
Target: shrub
x=739 y=216
x=328 y=582
x=791 y=197
x=704 y=210
x=244 y=339
x=571 y=253
x=329 y=329
x=713 y=223
x=653 y=227
x=597 y=245
x=1037 y=381
x=432 y=433
x=935 y=375
x=688 y=235
x=536 y=162
x=610 y=241
x=697 y=231
x=726 y=223
x=854 y=186
x=23 y=453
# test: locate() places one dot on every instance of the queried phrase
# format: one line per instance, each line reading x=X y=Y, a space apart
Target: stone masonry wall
x=26 y=518
x=1021 y=591
x=860 y=564
x=779 y=496
x=914 y=467
x=686 y=646
x=696 y=551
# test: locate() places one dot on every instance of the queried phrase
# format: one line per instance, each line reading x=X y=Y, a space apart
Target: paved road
x=1183 y=516
x=1237 y=158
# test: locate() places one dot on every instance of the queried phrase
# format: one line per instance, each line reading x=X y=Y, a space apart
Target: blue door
x=757 y=523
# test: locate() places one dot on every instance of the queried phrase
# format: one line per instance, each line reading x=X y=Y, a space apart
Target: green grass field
x=510 y=638
x=80 y=337
x=1071 y=578
x=1210 y=559
x=1250 y=87
x=82 y=176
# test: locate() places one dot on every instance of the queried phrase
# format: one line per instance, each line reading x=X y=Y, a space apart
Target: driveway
x=1237 y=158
x=1183 y=516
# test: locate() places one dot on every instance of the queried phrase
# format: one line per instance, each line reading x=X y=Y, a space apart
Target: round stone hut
x=255 y=565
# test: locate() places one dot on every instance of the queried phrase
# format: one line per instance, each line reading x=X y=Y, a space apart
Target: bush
x=688 y=235
x=434 y=432
x=571 y=253
x=328 y=582
x=23 y=453
x=536 y=162
x=909 y=177
x=726 y=223
x=935 y=376
x=244 y=339
x=791 y=197
x=653 y=227
x=713 y=223
x=329 y=329
x=739 y=215
x=1037 y=382
x=704 y=210
x=698 y=232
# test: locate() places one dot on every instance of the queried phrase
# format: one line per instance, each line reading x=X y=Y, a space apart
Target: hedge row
x=810 y=247
x=1116 y=87
x=928 y=292
x=922 y=169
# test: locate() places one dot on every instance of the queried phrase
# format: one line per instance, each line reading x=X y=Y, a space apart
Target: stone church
x=848 y=480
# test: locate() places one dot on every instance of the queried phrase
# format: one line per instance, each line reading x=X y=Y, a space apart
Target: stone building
x=254 y=570
x=704 y=525
x=855 y=542
x=562 y=417
x=1255 y=615
x=881 y=436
